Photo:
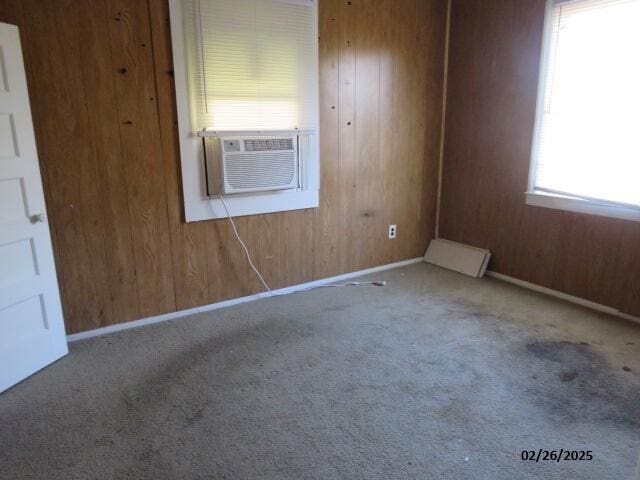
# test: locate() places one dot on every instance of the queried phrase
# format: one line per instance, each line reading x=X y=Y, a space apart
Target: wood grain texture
x=327 y=233
x=134 y=78
x=101 y=86
x=188 y=241
x=105 y=136
x=492 y=87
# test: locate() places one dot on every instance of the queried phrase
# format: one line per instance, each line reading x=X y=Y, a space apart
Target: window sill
x=579 y=205
x=205 y=208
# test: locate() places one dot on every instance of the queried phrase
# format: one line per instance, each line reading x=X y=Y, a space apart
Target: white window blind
x=251 y=64
x=588 y=132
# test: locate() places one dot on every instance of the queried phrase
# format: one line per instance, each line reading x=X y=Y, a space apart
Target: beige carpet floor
x=435 y=376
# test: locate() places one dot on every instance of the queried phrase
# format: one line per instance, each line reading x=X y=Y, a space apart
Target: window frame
x=557 y=201
x=198 y=205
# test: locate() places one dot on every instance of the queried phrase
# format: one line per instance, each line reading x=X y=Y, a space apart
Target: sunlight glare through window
x=589 y=132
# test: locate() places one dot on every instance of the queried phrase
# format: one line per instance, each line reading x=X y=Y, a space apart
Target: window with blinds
x=587 y=141
x=251 y=64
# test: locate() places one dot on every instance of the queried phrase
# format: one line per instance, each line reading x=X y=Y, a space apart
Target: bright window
x=251 y=64
x=587 y=140
x=245 y=68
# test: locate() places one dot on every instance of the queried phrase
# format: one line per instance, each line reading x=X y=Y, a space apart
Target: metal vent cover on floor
x=458 y=257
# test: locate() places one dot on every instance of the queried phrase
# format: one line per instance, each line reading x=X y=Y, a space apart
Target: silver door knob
x=37 y=218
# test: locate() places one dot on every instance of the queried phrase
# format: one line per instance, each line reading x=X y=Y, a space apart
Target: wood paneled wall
x=492 y=86
x=100 y=82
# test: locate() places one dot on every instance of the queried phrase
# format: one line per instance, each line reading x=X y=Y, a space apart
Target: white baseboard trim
x=563 y=296
x=234 y=301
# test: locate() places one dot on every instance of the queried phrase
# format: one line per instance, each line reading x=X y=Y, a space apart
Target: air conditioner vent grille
x=250 y=171
x=264 y=145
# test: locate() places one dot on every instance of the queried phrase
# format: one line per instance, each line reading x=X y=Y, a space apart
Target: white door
x=31 y=326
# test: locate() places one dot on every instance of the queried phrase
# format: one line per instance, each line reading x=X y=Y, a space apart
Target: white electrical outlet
x=392 y=231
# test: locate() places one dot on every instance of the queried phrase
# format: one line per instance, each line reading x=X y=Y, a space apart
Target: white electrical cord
x=246 y=250
x=379 y=283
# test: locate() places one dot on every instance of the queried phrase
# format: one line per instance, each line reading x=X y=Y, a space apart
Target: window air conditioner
x=251 y=164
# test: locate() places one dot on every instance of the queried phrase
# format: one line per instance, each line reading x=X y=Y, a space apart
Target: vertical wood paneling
x=132 y=62
x=239 y=276
x=433 y=36
x=403 y=211
x=260 y=247
x=296 y=245
x=346 y=131
x=327 y=228
x=386 y=132
x=74 y=204
x=218 y=262
x=269 y=242
x=417 y=132
x=105 y=135
x=84 y=202
x=492 y=88
x=366 y=216
x=627 y=266
x=188 y=241
x=101 y=85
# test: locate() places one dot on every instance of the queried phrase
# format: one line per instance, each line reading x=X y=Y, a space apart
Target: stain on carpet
x=577 y=384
